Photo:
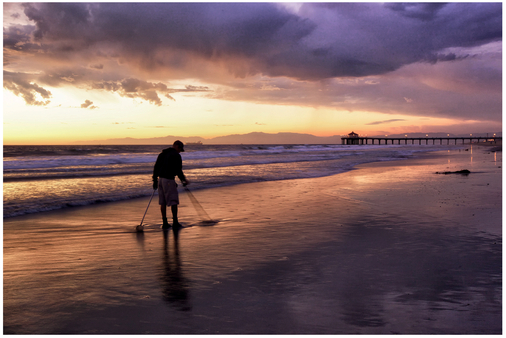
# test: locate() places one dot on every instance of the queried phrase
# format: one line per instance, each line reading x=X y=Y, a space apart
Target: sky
x=93 y=71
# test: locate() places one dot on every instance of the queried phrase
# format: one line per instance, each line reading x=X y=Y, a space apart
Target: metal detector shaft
x=148 y=206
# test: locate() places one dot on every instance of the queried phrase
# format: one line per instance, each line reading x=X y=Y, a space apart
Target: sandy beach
x=387 y=248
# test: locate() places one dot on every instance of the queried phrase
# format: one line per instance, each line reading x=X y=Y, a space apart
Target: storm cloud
x=361 y=55
x=321 y=41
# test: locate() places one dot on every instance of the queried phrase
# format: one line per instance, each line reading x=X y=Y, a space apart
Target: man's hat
x=180 y=144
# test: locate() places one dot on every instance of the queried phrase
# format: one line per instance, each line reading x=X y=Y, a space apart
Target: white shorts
x=167 y=192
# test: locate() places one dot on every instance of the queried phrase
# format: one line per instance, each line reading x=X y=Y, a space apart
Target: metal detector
x=140 y=227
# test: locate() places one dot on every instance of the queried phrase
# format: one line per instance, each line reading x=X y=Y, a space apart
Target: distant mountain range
x=251 y=138
x=259 y=138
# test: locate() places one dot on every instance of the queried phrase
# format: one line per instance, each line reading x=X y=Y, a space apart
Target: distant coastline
x=251 y=138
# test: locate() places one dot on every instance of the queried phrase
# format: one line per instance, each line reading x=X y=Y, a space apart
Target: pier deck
x=413 y=140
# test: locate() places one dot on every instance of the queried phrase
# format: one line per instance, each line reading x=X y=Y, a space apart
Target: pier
x=354 y=139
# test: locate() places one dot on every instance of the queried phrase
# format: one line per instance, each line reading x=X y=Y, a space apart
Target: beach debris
x=460 y=172
x=208 y=222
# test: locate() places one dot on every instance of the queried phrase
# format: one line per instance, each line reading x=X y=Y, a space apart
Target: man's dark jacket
x=168 y=165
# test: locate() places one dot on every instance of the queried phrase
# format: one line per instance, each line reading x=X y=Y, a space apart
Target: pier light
x=426 y=135
x=406 y=135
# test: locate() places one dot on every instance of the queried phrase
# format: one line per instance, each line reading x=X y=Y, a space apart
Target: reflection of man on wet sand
x=175 y=288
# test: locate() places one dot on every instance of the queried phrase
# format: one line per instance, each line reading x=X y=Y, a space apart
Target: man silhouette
x=169 y=165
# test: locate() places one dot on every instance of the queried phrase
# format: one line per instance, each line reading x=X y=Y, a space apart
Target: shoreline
x=353 y=253
x=140 y=194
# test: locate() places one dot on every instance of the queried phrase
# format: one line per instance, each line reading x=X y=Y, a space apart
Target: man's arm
x=156 y=172
x=180 y=173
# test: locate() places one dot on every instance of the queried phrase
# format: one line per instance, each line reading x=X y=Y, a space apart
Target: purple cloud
x=385 y=121
x=362 y=56
x=356 y=39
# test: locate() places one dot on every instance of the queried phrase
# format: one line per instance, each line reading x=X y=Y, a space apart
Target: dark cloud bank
x=319 y=42
x=368 y=39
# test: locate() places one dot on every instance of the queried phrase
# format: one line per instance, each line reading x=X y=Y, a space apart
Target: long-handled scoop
x=140 y=227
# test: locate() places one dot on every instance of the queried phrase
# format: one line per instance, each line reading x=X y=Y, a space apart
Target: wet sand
x=387 y=248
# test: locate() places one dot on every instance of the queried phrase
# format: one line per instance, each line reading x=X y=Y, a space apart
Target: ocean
x=43 y=178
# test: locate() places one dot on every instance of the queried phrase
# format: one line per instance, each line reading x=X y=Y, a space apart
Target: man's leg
x=163 y=209
x=174 y=215
x=163 y=202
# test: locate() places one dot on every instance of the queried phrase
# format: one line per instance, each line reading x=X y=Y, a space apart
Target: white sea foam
x=112 y=173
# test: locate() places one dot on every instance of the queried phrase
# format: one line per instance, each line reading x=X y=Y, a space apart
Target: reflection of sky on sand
x=388 y=249
x=410 y=262
x=404 y=282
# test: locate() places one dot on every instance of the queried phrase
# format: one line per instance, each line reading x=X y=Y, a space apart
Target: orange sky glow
x=76 y=72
